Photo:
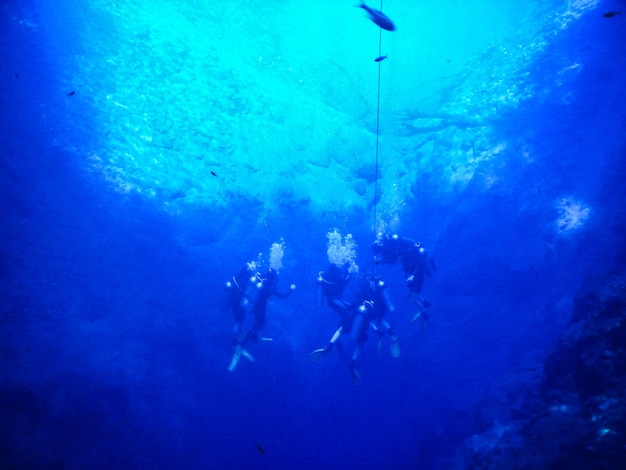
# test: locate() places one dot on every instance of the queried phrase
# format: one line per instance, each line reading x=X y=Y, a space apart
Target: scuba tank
x=429 y=263
x=233 y=294
x=360 y=319
x=251 y=294
x=381 y=288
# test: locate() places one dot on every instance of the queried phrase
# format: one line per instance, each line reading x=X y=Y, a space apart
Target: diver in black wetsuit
x=367 y=310
x=235 y=290
x=331 y=285
x=260 y=290
x=382 y=305
x=416 y=264
x=249 y=293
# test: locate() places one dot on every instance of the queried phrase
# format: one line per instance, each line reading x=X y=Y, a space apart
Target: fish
x=380 y=58
x=214 y=174
x=71 y=93
x=260 y=448
x=611 y=14
x=379 y=18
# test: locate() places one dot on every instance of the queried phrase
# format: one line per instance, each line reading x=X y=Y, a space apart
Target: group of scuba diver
x=248 y=292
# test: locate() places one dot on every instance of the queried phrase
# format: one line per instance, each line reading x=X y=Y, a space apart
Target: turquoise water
x=219 y=84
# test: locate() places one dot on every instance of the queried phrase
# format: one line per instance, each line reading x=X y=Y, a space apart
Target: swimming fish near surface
x=610 y=14
x=380 y=58
x=379 y=18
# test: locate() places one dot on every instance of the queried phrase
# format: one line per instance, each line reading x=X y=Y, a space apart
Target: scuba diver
x=382 y=305
x=260 y=290
x=416 y=264
x=331 y=285
x=235 y=290
x=251 y=297
x=366 y=311
x=341 y=252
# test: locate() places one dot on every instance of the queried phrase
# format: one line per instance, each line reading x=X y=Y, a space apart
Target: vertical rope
x=380 y=47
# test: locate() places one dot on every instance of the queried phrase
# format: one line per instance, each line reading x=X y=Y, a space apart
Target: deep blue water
x=502 y=150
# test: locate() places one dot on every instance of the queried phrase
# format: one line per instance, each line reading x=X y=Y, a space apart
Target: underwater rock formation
x=577 y=420
x=585 y=381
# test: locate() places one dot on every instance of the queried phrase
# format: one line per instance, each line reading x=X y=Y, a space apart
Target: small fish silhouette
x=260 y=448
x=380 y=58
x=214 y=174
x=378 y=17
x=71 y=93
x=611 y=14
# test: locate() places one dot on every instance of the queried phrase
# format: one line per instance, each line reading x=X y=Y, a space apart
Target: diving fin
x=422 y=307
x=318 y=353
x=239 y=351
x=235 y=360
x=416 y=316
x=247 y=355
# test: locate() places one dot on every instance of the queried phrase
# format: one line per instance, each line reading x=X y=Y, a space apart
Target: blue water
x=149 y=151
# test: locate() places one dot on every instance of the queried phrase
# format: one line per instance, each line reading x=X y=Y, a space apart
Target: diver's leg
x=238 y=335
x=393 y=337
x=318 y=353
x=356 y=377
x=381 y=334
x=422 y=306
x=335 y=336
